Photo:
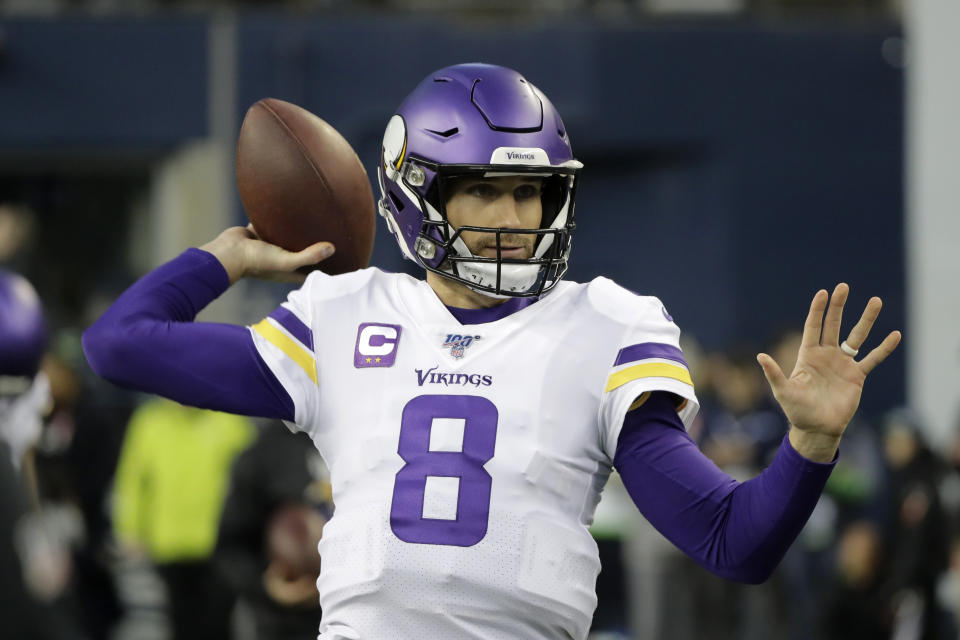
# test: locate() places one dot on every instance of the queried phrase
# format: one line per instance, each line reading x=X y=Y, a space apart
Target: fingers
x=313 y=254
x=811 y=328
x=772 y=371
x=831 y=324
x=287 y=264
x=270 y=262
x=880 y=353
x=858 y=335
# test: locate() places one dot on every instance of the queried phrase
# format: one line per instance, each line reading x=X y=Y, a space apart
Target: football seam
x=300 y=146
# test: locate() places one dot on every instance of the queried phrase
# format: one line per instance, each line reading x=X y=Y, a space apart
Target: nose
x=507 y=212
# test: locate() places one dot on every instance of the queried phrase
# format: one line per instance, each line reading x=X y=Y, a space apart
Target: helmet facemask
x=441 y=248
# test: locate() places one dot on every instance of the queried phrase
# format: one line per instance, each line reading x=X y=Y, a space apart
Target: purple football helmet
x=23 y=331
x=477 y=120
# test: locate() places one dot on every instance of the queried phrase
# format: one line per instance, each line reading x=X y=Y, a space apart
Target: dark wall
x=102 y=84
x=731 y=169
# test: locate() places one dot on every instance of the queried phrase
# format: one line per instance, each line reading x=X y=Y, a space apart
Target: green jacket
x=172 y=478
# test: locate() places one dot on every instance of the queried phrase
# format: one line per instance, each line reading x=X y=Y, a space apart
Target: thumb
x=772 y=372
x=313 y=254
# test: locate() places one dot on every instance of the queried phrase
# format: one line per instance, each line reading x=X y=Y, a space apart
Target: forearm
x=147 y=341
x=738 y=531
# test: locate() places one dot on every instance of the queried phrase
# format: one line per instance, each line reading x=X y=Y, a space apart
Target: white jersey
x=466 y=460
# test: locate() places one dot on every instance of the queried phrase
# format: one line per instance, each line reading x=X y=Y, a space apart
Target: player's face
x=507 y=202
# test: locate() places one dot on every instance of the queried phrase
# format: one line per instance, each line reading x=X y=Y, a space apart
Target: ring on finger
x=847 y=349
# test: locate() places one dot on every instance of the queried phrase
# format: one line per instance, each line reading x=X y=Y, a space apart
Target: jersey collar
x=490 y=314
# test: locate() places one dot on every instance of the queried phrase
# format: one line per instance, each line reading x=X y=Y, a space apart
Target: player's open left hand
x=823 y=392
x=243 y=254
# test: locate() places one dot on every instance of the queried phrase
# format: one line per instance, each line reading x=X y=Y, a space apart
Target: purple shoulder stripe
x=294 y=325
x=646 y=350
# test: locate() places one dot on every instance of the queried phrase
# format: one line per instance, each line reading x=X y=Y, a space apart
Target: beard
x=519 y=245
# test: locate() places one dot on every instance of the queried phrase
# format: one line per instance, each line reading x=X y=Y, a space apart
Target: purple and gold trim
x=646 y=350
x=647 y=360
x=290 y=335
x=294 y=326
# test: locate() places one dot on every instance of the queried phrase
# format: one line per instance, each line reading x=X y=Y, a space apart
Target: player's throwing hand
x=243 y=254
x=823 y=392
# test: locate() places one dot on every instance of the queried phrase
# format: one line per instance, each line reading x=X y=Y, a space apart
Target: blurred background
x=739 y=154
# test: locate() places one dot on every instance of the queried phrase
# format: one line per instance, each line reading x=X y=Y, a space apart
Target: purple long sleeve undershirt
x=737 y=530
x=147 y=340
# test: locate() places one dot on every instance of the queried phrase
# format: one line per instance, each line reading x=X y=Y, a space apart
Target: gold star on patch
x=368 y=360
x=378 y=359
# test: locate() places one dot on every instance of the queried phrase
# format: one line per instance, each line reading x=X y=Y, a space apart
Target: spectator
x=33 y=573
x=918 y=538
x=280 y=476
x=170 y=486
x=854 y=608
x=745 y=429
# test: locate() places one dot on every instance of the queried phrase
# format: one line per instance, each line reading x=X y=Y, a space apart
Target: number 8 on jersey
x=431 y=460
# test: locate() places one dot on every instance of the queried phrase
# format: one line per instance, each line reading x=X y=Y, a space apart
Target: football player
x=24 y=389
x=34 y=568
x=470 y=420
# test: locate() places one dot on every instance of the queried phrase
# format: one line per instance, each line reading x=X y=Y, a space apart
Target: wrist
x=229 y=254
x=817 y=447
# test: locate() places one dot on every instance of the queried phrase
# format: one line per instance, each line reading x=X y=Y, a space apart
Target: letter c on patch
x=377 y=341
x=376 y=345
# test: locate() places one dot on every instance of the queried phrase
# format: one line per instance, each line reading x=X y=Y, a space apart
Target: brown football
x=301 y=182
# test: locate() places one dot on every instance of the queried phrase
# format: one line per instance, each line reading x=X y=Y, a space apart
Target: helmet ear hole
x=437 y=193
x=397 y=202
x=552 y=198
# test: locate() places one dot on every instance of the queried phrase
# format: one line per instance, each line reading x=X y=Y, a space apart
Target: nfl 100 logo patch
x=459 y=344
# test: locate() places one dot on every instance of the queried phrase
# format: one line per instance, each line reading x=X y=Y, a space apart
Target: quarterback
x=470 y=420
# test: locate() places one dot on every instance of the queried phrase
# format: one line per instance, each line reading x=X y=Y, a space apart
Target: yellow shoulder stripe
x=285 y=343
x=648 y=370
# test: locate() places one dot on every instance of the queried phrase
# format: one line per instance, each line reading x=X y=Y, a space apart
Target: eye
x=481 y=190
x=527 y=191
